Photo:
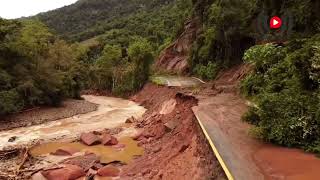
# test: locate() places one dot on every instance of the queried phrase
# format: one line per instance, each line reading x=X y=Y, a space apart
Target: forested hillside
x=156 y=19
x=36 y=68
x=39 y=68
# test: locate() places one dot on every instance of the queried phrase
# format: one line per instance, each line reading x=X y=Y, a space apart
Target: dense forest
x=44 y=60
x=36 y=68
x=110 y=45
x=119 y=20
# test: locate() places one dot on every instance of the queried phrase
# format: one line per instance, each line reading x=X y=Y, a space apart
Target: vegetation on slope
x=230 y=27
x=284 y=84
x=35 y=67
x=119 y=20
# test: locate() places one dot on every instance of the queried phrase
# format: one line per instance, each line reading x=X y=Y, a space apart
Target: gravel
x=41 y=115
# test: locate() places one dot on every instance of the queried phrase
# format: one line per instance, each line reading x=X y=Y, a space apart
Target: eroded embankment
x=170 y=142
x=175 y=147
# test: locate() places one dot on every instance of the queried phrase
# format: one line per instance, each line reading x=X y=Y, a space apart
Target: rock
x=98 y=133
x=146 y=171
x=97 y=166
x=138 y=135
x=89 y=139
x=12 y=139
x=65 y=151
x=82 y=178
x=156 y=149
x=171 y=125
x=119 y=146
x=108 y=171
x=91 y=173
x=154 y=173
x=38 y=176
x=184 y=146
x=131 y=120
x=68 y=172
x=154 y=114
x=108 y=140
x=85 y=162
x=168 y=106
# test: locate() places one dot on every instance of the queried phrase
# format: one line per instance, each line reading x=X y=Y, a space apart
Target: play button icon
x=275 y=22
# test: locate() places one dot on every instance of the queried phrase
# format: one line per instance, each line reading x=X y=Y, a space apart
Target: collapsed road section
x=166 y=142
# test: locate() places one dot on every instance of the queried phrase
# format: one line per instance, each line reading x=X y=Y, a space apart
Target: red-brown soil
x=174 y=58
x=178 y=153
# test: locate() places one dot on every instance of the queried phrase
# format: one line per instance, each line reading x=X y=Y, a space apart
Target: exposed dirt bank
x=175 y=147
x=41 y=115
x=174 y=58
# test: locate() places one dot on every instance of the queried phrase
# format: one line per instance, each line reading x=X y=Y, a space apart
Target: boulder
x=108 y=171
x=85 y=162
x=69 y=172
x=38 y=176
x=168 y=106
x=119 y=146
x=171 y=125
x=108 y=140
x=89 y=139
x=65 y=151
x=13 y=139
x=130 y=120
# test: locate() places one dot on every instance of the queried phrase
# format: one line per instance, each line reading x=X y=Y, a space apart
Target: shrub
x=285 y=87
x=10 y=102
x=208 y=72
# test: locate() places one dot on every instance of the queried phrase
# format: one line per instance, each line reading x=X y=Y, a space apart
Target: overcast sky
x=10 y=9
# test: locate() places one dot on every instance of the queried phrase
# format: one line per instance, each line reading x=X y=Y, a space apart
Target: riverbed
x=111 y=113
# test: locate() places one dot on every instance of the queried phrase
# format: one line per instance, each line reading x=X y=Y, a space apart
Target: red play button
x=275 y=22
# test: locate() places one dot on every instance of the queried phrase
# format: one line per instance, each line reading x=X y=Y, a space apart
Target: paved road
x=241 y=156
x=177 y=81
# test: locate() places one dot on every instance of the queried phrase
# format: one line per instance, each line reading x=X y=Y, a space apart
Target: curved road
x=241 y=156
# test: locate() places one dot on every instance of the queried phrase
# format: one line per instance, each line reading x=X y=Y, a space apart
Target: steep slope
x=89 y=18
x=175 y=57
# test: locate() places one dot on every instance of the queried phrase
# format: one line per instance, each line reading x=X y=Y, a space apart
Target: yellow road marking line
x=216 y=152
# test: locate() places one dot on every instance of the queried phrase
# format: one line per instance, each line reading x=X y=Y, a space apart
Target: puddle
x=107 y=153
x=111 y=113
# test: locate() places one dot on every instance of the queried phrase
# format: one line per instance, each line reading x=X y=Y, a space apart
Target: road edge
x=215 y=150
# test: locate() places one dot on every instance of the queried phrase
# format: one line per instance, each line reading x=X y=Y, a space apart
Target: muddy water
x=106 y=153
x=288 y=164
x=111 y=113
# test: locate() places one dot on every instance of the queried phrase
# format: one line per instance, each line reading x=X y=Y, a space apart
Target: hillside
x=88 y=18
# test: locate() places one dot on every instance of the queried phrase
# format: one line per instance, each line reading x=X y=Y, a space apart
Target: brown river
x=111 y=113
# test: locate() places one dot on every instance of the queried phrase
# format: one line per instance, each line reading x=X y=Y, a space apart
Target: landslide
x=175 y=57
x=175 y=147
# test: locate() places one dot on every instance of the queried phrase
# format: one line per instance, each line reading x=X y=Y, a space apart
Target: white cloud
x=11 y=9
